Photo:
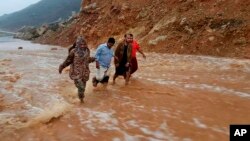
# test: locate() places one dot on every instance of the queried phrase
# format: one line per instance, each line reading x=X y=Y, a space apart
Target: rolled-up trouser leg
x=80 y=84
x=100 y=73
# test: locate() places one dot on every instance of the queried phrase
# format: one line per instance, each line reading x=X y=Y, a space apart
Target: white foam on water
x=116 y=139
x=207 y=87
x=186 y=139
x=199 y=124
x=133 y=123
x=194 y=62
x=70 y=126
x=105 y=120
x=33 y=97
x=32 y=115
x=128 y=137
x=95 y=120
x=57 y=109
x=12 y=121
x=154 y=110
x=153 y=139
x=220 y=130
x=162 y=133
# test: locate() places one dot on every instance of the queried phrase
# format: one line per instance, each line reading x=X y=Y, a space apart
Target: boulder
x=54 y=48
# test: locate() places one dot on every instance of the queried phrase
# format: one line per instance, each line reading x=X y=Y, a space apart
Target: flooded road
x=170 y=98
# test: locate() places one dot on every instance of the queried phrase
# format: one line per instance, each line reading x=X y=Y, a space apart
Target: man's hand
x=127 y=65
x=97 y=65
x=116 y=58
x=117 y=65
x=60 y=69
x=92 y=59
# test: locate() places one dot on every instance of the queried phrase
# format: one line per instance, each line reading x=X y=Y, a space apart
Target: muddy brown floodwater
x=170 y=98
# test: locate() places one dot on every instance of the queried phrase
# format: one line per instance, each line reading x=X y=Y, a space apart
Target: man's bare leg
x=114 y=77
x=127 y=77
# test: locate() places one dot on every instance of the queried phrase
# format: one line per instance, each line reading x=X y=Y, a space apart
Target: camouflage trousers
x=80 y=84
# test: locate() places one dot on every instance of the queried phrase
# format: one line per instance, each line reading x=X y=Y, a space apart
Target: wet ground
x=170 y=98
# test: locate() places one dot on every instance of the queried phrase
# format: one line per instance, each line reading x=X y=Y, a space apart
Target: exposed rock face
x=217 y=27
x=31 y=33
x=27 y=33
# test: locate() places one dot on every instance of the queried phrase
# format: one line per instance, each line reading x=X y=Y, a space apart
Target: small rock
x=124 y=6
x=240 y=41
x=121 y=18
x=53 y=48
x=20 y=47
x=156 y=40
x=90 y=6
x=143 y=13
x=220 y=14
x=183 y=21
x=208 y=29
x=211 y=38
x=189 y=29
x=218 y=50
x=88 y=25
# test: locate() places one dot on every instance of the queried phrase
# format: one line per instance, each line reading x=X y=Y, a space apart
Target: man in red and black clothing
x=135 y=48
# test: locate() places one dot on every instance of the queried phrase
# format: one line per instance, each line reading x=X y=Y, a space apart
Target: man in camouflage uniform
x=79 y=59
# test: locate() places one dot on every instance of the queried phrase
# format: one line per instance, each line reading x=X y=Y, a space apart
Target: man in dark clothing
x=123 y=55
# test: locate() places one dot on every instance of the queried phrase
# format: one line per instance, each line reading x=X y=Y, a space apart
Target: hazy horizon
x=11 y=6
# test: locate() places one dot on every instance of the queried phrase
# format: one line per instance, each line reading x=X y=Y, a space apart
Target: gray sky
x=9 y=6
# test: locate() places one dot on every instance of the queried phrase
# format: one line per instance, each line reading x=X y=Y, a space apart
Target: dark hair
x=111 y=40
x=125 y=35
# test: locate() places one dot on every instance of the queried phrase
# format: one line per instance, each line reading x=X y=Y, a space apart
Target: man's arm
x=91 y=59
x=97 y=56
x=72 y=47
x=143 y=55
x=138 y=48
x=116 y=56
x=67 y=62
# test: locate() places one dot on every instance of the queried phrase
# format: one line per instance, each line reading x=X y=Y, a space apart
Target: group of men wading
x=79 y=59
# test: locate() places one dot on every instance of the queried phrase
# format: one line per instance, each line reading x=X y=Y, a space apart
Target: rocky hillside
x=207 y=27
x=45 y=11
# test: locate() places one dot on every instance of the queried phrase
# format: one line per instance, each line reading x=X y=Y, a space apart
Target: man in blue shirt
x=103 y=56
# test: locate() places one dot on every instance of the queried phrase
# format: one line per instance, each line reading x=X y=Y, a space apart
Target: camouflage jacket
x=79 y=66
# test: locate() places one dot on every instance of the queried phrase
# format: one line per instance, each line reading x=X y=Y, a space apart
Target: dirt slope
x=203 y=27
